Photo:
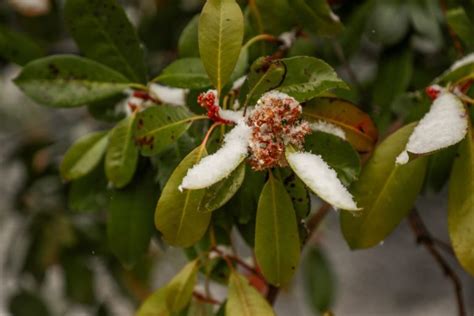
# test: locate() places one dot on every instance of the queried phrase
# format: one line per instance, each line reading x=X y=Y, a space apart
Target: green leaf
x=277 y=245
x=264 y=76
x=89 y=193
x=319 y=280
x=180 y=288
x=130 y=218
x=122 y=154
x=221 y=32
x=461 y=203
x=187 y=73
x=244 y=300
x=188 y=45
x=83 y=156
x=317 y=17
x=394 y=63
x=439 y=168
x=155 y=304
x=459 y=21
x=103 y=33
x=337 y=153
x=198 y=308
x=358 y=126
x=18 y=47
x=69 y=81
x=386 y=192
x=308 y=77
x=177 y=214
x=220 y=193
x=298 y=193
x=160 y=126
x=276 y=15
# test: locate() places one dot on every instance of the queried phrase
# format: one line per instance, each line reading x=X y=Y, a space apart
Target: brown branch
x=239 y=261
x=206 y=299
x=424 y=237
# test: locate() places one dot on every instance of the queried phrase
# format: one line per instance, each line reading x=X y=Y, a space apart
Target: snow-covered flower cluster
x=276 y=122
x=271 y=135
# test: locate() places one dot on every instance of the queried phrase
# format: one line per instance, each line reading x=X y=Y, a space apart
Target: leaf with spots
x=160 y=126
x=69 y=81
x=103 y=33
x=359 y=128
x=277 y=245
x=298 y=192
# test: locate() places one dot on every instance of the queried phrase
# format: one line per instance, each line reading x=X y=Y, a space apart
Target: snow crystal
x=287 y=38
x=168 y=95
x=232 y=116
x=328 y=128
x=466 y=60
x=214 y=168
x=444 y=125
x=321 y=179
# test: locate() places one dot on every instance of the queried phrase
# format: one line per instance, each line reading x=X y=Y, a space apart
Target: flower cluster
x=276 y=122
x=209 y=101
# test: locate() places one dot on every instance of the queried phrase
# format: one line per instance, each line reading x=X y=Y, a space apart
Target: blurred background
x=55 y=261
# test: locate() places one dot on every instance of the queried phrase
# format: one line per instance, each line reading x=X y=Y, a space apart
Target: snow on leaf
x=466 y=60
x=216 y=167
x=328 y=128
x=444 y=125
x=321 y=179
x=168 y=95
x=232 y=116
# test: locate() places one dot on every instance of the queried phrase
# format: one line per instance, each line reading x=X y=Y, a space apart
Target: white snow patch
x=444 y=125
x=287 y=38
x=168 y=95
x=321 y=179
x=233 y=116
x=214 y=168
x=238 y=83
x=275 y=94
x=466 y=60
x=329 y=128
x=402 y=158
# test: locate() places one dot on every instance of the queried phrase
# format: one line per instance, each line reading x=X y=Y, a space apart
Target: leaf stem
x=424 y=237
x=261 y=37
x=138 y=86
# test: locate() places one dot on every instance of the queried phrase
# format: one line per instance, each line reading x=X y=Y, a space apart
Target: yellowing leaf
x=461 y=204
x=359 y=127
x=244 y=300
x=180 y=288
x=155 y=304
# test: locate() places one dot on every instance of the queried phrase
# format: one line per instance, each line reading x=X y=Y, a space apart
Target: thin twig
x=238 y=261
x=206 y=299
x=272 y=294
x=424 y=237
x=345 y=63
